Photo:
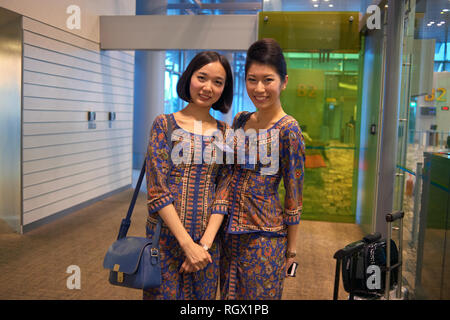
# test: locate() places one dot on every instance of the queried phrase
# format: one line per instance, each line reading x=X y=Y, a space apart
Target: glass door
x=424 y=127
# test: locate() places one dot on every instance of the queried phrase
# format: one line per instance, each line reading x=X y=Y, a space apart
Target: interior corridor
x=33 y=265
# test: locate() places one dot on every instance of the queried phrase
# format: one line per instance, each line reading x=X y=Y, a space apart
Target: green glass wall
x=322 y=94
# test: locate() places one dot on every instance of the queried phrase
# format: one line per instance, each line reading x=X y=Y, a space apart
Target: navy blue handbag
x=134 y=262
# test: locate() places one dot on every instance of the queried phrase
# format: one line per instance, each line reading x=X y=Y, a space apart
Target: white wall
x=66 y=162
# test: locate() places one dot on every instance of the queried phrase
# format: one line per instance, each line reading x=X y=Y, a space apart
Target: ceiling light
x=445 y=10
x=331 y=5
x=315 y=5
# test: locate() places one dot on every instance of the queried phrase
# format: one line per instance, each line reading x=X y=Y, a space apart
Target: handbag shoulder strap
x=169 y=134
x=125 y=224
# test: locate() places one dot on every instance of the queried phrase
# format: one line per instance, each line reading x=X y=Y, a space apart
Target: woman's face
x=207 y=84
x=264 y=85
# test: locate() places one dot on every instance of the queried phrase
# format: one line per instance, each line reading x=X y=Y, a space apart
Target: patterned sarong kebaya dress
x=255 y=234
x=190 y=187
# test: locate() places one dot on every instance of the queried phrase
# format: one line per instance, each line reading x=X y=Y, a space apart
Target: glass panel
x=322 y=94
x=316 y=5
x=424 y=126
x=323 y=32
x=208 y=7
x=174 y=64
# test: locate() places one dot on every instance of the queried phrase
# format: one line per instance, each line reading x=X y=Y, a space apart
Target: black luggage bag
x=366 y=268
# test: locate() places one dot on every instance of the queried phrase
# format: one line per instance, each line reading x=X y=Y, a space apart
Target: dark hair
x=200 y=60
x=266 y=51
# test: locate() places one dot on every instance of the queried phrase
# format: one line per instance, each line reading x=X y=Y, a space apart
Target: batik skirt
x=200 y=285
x=252 y=266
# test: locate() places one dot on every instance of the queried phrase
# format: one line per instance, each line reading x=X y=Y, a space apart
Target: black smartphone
x=292 y=269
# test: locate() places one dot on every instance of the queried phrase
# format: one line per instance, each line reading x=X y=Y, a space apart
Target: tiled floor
x=33 y=266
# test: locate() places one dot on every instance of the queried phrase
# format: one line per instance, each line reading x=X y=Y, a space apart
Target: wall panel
x=66 y=159
x=74 y=200
x=38 y=177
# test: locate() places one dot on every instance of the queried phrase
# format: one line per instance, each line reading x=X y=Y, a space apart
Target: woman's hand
x=207 y=239
x=197 y=258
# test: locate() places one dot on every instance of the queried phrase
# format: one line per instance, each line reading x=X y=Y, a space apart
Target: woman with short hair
x=182 y=193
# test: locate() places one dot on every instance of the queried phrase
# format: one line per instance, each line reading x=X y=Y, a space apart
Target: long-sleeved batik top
x=262 y=159
x=185 y=177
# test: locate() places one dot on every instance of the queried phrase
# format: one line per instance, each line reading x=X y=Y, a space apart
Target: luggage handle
x=348 y=251
x=391 y=217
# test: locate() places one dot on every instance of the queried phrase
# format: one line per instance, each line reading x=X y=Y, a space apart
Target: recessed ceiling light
x=331 y=5
x=315 y=5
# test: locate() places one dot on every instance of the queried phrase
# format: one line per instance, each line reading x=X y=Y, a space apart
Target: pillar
x=148 y=86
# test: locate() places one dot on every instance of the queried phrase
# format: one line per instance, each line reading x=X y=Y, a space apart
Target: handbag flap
x=126 y=254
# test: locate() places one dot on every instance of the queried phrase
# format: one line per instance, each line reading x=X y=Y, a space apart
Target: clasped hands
x=197 y=258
